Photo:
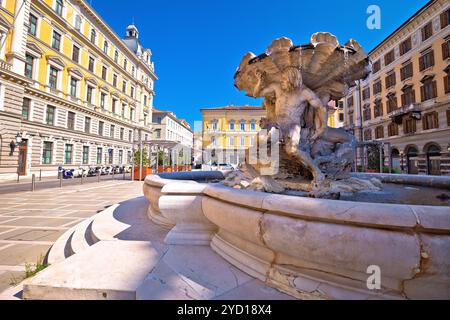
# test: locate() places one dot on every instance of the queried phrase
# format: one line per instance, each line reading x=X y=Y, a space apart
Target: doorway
x=23 y=153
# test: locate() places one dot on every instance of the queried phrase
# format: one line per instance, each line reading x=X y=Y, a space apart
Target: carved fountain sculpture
x=298 y=82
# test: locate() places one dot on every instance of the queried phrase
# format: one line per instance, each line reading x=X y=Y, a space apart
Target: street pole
x=381 y=147
x=141 y=159
x=33 y=183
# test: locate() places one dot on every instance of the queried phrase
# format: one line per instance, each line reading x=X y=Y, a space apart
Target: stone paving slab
x=31 y=222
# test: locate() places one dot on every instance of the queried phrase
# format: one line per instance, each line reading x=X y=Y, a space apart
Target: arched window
x=411 y=161
x=433 y=153
x=93 y=36
x=78 y=22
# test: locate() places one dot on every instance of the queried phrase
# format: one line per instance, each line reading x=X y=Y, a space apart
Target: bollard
x=33 y=183
x=113 y=173
x=124 y=175
x=82 y=178
x=18 y=178
x=40 y=175
x=60 y=180
x=98 y=177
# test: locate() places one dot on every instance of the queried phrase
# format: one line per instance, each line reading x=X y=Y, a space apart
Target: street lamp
x=15 y=143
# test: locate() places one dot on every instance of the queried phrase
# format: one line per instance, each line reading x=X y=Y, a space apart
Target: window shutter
x=446 y=84
x=403 y=100
x=443 y=19
x=424 y=123
x=413 y=94
x=421 y=65
x=422 y=93
x=423 y=33
x=434 y=89
x=431 y=57
x=436 y=120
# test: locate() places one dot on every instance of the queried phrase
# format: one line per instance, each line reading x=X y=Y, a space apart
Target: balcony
x=413 y=110
x=5 y=65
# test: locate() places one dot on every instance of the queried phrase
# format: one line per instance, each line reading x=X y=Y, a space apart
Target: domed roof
x=132 y=27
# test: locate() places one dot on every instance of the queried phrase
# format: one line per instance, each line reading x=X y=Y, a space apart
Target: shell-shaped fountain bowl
x=325 y=65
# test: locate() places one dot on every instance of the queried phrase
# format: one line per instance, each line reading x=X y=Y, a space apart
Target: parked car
x=225 y=166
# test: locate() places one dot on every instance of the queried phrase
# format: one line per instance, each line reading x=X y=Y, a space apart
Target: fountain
x=251 y=236
x=297 y=83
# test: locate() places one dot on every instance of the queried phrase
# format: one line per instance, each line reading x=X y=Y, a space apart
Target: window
x=231 y=141
x=71 y=120
x=122 y=130
x=111 y=156
x=29 y=62
x=445 y=18
x=99 y=155
x=377 y=87
x=26 y=108
x=53 y=79
x=242 y=141
x=405 y=46
x=446 y=49
x=214 y=125
x=125 y=64
x=408 y=96
x=116 y=56
x=253 y=126
x=379 y=132
x=232 y=126
x=390 y=80
x=350 y=118
x=32 y=28
x=115 y=80
x=133 y=71
x=85 y=154
x=145 y=100
x=93 y=36
x=87 y=125
x=366 y=93
x=91 y=64
x=105 y=47
x=367 y=114
x=376 y=66
x=448 y=117
x=158 y=133
x=447 y=83
x=132 y=112
x=50 y=116
x=123 y=110
x=242 y=126
x=350 y=102
x=120 y=156
x=73 y=86
x=428 y=90
x=389 y=57
x=102 y=100
x=89 y=94
x=56 y=41
x=341 y=117
x=145 y=119
x=47 y=151
x=130 y=136
x=112 y=131
x=378 y=109
x=75 y=54
x=78 y=22
x=59 y=7
x=68 y=154
x=392 y=103
x=368 y=135
x=427 y=31
x=406 y=71
x=426 y=60
x=104 y=73
x=101 y=126
x=124 y=87
x=409 y=125
x=430 y=121
x=392 y=129
x=132 y=92
x=113 y=107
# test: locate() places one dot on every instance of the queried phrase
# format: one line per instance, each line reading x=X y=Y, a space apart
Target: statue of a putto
x=298 y=82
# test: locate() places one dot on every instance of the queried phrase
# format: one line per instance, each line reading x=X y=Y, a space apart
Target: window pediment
x=34 y=49
x=75 y=72
x=4 y=24
x=92 y=80
x=427 y=78
x=56 y=62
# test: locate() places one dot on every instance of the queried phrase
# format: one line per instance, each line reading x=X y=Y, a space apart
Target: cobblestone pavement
x=30 y=222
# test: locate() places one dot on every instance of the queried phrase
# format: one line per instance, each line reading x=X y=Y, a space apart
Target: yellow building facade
x=405 y=102
x=228 y=132
x=72 y=90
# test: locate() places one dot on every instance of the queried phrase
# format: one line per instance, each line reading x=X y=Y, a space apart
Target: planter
x=145 y=172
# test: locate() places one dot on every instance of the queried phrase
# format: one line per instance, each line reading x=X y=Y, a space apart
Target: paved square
x=31 y=222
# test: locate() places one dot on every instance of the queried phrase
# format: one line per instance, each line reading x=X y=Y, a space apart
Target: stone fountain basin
x=312 y=248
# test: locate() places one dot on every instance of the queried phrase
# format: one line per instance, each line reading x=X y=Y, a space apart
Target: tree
x=145 y=159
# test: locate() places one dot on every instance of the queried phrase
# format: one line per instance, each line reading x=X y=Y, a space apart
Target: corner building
x=72 y=92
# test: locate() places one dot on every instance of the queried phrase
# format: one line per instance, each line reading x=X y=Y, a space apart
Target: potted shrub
x=146 y=170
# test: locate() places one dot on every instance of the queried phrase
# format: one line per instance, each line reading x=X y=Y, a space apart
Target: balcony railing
x=5 y=65
x=414 y=107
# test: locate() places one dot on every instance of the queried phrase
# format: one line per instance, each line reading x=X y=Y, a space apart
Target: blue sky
x=198 y=44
